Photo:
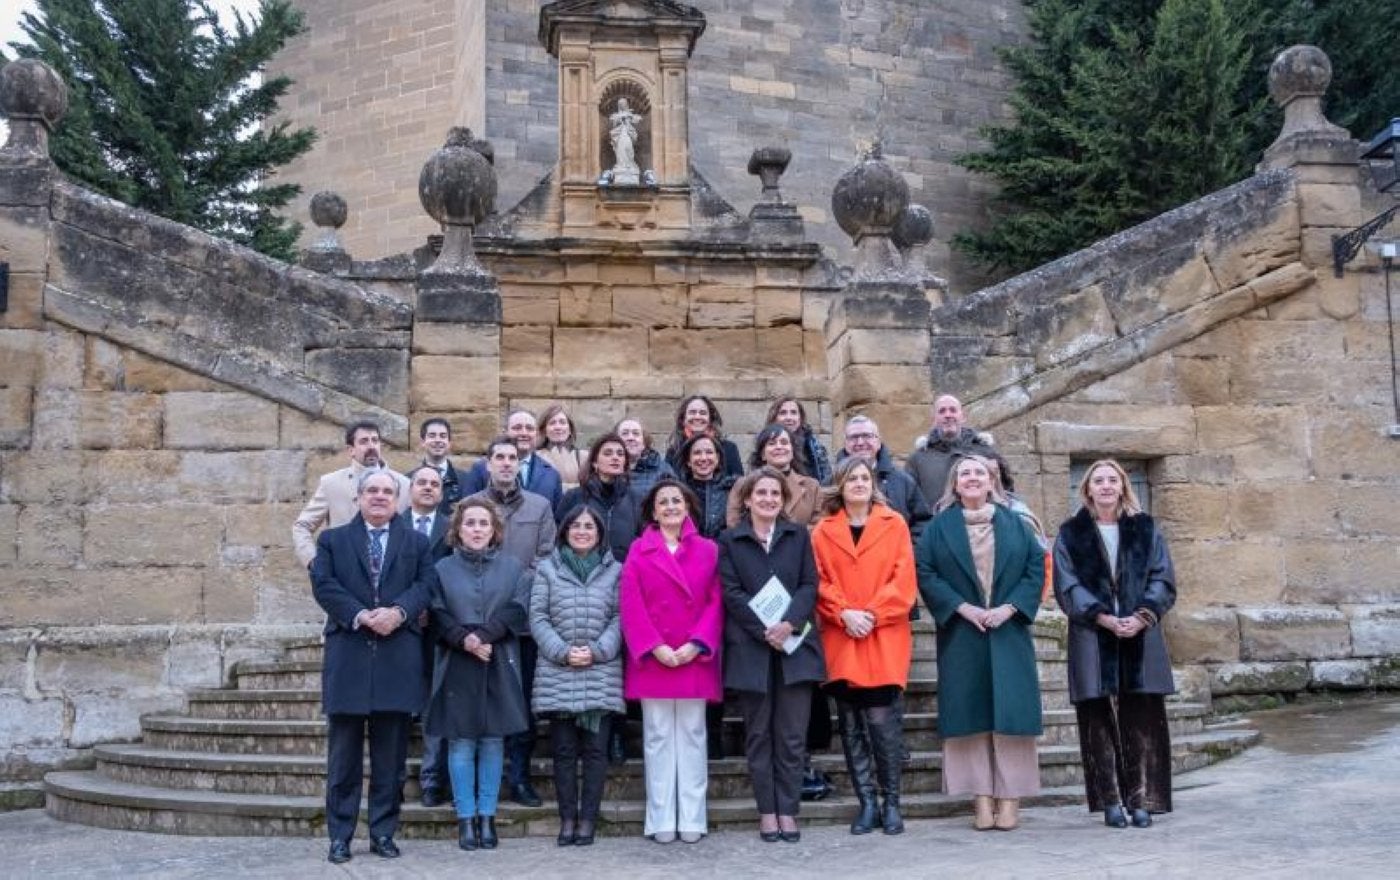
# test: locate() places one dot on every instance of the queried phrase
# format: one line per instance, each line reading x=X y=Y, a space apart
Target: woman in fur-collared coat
x=1114 y=580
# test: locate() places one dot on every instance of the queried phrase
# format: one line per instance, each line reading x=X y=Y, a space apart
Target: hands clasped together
x=473 y=645
x=674 y=657
x=985 y=618
x=381 y=621
x=858 y=623
x=1122 y=627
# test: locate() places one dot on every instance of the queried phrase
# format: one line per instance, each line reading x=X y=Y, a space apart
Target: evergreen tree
x=165 y=112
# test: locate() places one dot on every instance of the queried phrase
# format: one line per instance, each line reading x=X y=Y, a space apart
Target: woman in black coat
x=701 y=471
x=1114 y=580
x=695 y=416
x=479 y=610
x=607 y=489
x=774 y=684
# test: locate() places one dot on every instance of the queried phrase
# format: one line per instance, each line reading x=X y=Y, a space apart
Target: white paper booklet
x=769 y=605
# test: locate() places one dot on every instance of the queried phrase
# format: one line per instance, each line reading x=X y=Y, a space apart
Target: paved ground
x=1316 y=799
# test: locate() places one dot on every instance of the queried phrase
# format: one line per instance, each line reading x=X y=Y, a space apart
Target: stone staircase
x=250 y=760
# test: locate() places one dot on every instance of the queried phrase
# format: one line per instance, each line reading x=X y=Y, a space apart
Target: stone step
x=277 y=674
x=94 y=798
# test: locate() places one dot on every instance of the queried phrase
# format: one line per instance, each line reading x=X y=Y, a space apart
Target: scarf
x=581 y=566
x=982 y=540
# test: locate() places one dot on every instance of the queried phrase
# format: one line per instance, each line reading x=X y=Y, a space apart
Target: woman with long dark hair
x=1114 y=580
x=811 y=459
x=773 y=448
x=698 y=415
x=607 y=489
x=701 y=473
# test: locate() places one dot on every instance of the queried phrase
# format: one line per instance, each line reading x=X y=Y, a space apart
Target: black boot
x=887 y=740
x=488 y=832
x=468 y=834
x=617 y=741
x=855 y=742
x=815 y=784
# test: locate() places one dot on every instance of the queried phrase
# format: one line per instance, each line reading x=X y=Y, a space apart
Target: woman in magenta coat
x=673 y=624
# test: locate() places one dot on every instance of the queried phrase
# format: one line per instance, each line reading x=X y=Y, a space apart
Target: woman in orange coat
x=866 y=586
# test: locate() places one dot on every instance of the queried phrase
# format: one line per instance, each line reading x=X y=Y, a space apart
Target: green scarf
x=582 y=566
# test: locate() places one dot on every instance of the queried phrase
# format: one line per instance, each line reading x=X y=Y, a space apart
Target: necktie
x=376 y=559
x=422 y=525
x=524 y=473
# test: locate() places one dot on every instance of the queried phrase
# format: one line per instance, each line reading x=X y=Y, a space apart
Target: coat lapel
x=665 y=561
x=1004 y=535
x=841 y=534
x=955 y=536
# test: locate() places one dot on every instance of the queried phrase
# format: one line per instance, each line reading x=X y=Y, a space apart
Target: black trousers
x=519 y=746
x=345 y=771
x=1127 y=752
x=433 y=774
x=775 y=741
x=569 y=743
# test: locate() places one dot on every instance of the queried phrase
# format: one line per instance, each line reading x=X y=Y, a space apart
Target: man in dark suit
x=374 y=577
x=435 y=441
x=426 y=516
x=534 y=474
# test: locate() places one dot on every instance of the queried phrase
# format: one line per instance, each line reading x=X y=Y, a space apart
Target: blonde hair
x=1128 y=503
x=995 y=492
x=832 y=502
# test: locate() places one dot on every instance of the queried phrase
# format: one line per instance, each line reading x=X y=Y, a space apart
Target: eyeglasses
x=862 y=437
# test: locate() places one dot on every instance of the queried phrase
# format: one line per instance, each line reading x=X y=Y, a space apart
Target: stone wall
x=1216 y=346
x=822 y=77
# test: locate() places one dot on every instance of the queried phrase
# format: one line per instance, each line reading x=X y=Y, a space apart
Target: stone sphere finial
x=1299 y=72
x=458 y=189
x=914 y=228
x=458 y=185
x=328 y=209
x=869 y=198
x=34 y=98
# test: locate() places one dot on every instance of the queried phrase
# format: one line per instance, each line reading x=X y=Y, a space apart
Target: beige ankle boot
x=1008 y=814
x=983 y=818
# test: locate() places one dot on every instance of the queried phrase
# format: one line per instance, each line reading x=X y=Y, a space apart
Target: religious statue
x=623 y=133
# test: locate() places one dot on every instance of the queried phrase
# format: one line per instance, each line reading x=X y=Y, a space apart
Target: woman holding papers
x=866 y=586
x=672 y=623
x=980 y=573
x=772 y=655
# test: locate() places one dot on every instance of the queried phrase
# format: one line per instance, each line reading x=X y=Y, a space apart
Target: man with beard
x=948 y=440
x=334 y=502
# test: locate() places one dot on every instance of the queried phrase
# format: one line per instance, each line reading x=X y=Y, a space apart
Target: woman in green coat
x=980 y=573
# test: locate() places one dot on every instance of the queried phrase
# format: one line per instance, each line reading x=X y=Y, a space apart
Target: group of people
x=548 y=583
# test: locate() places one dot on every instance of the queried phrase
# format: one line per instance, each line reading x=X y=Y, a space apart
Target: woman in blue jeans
x=479 y=607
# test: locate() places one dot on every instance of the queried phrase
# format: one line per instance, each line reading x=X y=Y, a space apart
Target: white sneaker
x=664 y=837
x=691 y=836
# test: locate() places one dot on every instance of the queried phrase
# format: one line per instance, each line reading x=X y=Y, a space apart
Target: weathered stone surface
x=1290 y=510
x=110 y=717
x=111 y=420
x=1267 y=443
x=1259 y=678
x=21 y=356
x=454 y=383
x=664 y=305
x=1341 y=571
x=585 y=304
x=862 y=384
x=460 y=340
x=1116 y=439
x=1296 y=633
x=1192 y=683
x=777 y=306
x=373 y=374
x=49 y=534
x=727 y=353
x=141 y=373
x=146 y=535
x=26 y=307
x=1375 y=630
x=16 y=416
x=297 y=430
x=1341 y=674
x=9 y=532
x=600 y=352
x=219 y=420
x=1203 y=635
x=23 y=238
x=30 y=721
x=1246 y=571
x=241 y=477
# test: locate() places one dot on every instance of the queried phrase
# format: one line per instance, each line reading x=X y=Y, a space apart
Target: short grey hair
x=371 y=474
x=864 y=420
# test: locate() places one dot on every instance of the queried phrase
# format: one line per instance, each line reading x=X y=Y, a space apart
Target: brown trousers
x=1127 y=752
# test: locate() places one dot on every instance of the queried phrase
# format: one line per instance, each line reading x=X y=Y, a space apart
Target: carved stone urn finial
x=867 y=202
x=458 y=189
x=768 y=165
x=34 y=98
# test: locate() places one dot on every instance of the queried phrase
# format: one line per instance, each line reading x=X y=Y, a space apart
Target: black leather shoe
x=584 y=837
x=789 y=836
x=769 y=836
x=1142 y=819
x=524 y=794
x=432 y=797
x=1114 y=817
x=339 y=853
x=815 y=786
x=567 y=835
x=384 y=847
x=488 y=832
x=467 y=834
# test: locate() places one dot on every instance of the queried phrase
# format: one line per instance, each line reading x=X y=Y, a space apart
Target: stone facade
x=822 y=77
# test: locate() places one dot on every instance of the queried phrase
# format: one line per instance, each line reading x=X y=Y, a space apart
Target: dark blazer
x=731 y=461
x=744 y=567
x=544 y=480
x=363 y=672
x=617 y=504
x=452 y=489
x=437 y=535
x=987 y=681
x=1100 y=663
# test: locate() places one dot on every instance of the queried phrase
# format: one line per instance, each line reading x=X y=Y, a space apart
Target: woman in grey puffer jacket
x=578 y=676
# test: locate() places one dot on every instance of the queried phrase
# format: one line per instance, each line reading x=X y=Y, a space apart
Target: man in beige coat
x=333 y=504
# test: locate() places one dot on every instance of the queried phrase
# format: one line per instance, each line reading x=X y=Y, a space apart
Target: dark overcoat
x=1100 y=663
x=618 y=505
x=987 y=681
x=363 y=672
x=487 y=594
x=744 y=567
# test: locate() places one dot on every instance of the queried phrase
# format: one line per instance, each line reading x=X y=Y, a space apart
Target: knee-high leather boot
x=887 y=739
x=856 y=743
